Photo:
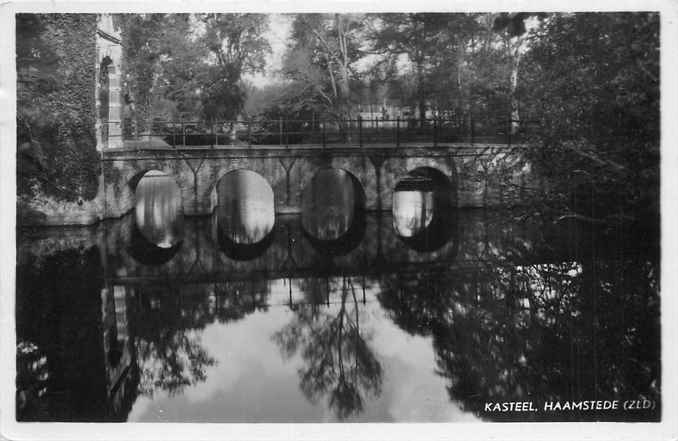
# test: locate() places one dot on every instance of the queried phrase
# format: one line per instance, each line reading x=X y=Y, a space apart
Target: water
x=413 y=212
x=419 y=316
x=158 y=213
x=245 y=214
x=423 y=216
x=331 y=205
x=246 y=211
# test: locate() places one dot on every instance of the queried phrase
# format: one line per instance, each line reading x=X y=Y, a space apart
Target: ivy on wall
x=56 y=141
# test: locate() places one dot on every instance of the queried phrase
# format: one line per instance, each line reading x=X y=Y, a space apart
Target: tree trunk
x=515 y=65
x=460 y=62
x=343 y=67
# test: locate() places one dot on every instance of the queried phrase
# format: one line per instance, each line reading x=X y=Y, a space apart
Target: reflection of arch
x=158 y=217
x=243 y=251
x=352 y=237
x=443 y=224
x=236 y=193
x=148 y=253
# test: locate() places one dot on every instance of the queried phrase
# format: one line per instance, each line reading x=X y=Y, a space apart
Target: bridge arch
x=244 y=213
x=133 y=181
x=424 y=209
x=218 y=175
x=443 y=184
x=158 y=226
x=333 y=221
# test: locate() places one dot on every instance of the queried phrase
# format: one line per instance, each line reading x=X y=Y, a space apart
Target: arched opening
x=333 y=211
x=424 y=214
x=244 y=218
x=158 y=218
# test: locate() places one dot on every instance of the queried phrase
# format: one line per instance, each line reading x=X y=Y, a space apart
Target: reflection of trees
x=246 y=221
x=412 y=211
x=177 y=361
x=246 y=208
x=61 y=362
x=170 y=355
x=158 y=210
x=168 y=325
x=234 y=300
x=329 y=204
x=338 y=361
x=558 y=331
x=32 y=377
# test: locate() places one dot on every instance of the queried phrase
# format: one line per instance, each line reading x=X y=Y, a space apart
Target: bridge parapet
x=478 y=128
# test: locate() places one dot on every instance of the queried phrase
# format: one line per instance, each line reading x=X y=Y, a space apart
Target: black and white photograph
x=301 y=217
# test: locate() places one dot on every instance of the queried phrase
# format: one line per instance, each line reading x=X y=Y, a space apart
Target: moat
x=424 y=313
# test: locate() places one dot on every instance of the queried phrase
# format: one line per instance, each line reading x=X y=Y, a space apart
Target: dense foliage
x=434 y=43
x=593 y=82
x=319 y=66
x=188 y=66
x=56 y=142
x=422 y=64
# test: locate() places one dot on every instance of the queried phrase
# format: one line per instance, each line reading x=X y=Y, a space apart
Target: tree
x=162 y=68
x=236 y=45
x=259 y=100
x=181 y=67
x=185 y=65
x=593 y=80
x=320 y=64
x=434 y=43
x=515 y=37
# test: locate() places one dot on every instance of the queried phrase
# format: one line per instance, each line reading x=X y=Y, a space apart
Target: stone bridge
x=486 y=175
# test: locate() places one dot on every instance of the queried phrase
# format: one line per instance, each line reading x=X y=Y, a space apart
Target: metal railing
x=357 y=132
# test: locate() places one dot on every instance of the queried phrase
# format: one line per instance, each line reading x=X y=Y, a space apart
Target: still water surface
x=331 y=204
x=245 y=317
x=158 y=213
x=245 y=210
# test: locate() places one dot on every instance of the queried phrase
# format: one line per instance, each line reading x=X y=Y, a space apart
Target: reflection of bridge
x=290 y=253
x=287 y=252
